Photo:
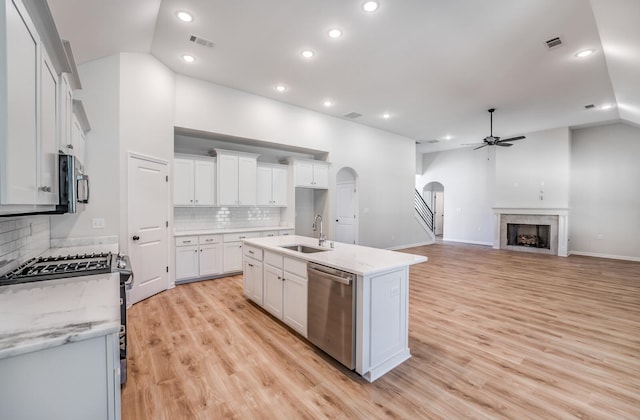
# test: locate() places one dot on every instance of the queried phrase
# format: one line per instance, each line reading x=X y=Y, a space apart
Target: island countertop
x=357 y=259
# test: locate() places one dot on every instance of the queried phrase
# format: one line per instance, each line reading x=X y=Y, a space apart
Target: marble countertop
x=361 y=260
x=39 y=315
x=178 y=233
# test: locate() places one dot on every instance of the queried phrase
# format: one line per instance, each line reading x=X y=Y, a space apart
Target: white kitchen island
x=381 y=294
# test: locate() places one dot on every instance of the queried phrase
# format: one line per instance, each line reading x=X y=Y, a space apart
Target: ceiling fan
x=492 y=140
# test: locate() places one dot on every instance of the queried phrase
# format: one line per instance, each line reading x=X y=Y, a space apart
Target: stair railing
x=423 y=210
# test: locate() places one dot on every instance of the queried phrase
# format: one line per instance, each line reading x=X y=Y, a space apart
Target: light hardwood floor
x=493 y=334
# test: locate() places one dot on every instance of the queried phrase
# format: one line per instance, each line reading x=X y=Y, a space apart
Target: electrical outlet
x=97 y=223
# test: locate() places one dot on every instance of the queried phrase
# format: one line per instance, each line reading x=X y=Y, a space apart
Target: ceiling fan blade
x=480 y=147
x=513 y=139
x=504 y=144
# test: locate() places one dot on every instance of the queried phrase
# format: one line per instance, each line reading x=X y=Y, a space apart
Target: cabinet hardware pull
x=70 y=146
x=250 y=265
x=135 y=237
x=45 y=189
x=241 y=237
x=186 y=242
x=250 y=252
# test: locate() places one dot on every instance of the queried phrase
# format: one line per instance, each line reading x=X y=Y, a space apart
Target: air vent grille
x=553 y=42
x=200 y=41
x=352 y=115
x=432 y=141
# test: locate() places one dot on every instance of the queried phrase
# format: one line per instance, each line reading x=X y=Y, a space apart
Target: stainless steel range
x=65 y=266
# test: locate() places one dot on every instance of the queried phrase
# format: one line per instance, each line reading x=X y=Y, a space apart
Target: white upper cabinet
x=271 y=188
x=48 y=153
x=310 y=173
x=236 y=178
x=19 y=75
x=65 y=98
x=193 y=182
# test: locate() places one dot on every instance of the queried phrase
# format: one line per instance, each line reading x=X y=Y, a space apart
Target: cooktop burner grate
x=56 y=267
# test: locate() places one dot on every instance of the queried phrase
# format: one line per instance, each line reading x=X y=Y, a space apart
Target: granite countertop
x=39 y=315
x=361 y=260
x=178 y=233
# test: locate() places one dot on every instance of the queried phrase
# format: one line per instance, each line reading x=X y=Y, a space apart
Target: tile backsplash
x=196 y=218
x=22 y=238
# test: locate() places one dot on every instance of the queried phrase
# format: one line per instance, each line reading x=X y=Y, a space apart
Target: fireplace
x=535 y=236
x=543 y=231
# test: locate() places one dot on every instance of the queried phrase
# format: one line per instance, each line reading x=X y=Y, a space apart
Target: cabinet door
x=303 y=174
x=279 y=187
x=227 y=180
x=66 y=111
x=264 y=196
x=232 y=257
x=19 y=141
x=210 y=259
x=186 y=262
x=320 y=175
x=295 y=302
x=204 y=177
x=48 y=168
x=77 y=139
x=252 y=280
x=183 y=188
x=247 y=181
x=273 y=284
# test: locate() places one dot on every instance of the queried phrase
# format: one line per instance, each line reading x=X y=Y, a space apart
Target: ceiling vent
x=553 y=42
x=589 y=106
x=200 y=41
x=352 y=115
x=432 y=141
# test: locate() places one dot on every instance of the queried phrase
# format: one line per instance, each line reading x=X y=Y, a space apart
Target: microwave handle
x=84 y=178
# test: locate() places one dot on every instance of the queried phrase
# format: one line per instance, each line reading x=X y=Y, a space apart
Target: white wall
x=468 y=179
x=534 y=168
x=147 y=98
x=605 y=191
x=385 y=162
x=101 y=99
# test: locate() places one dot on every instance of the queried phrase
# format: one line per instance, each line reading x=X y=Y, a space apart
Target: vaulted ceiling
x=433 y=66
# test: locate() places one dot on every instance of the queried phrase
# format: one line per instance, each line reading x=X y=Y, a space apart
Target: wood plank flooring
x=493 y=334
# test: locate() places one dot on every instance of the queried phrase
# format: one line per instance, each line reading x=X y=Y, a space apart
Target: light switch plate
x=97 y=223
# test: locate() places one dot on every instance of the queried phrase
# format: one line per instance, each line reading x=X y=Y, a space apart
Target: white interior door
x=346 y=212
x=148 y=196
x=438 y=216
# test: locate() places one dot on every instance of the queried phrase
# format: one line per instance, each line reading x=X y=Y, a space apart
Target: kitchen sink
x=304 y=248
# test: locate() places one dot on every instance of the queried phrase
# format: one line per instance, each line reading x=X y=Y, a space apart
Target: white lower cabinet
x=233 y=250
x=198 y=256
x=252 y=274
x=285 y=290
x=74 y=381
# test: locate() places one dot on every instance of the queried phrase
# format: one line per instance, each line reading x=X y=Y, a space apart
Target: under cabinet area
x=193 y=182
x=198 y=256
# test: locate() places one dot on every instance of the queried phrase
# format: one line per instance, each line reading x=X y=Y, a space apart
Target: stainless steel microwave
x=73 y=185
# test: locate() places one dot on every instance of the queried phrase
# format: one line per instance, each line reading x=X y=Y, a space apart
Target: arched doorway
x=347 y=206
x=433 y=194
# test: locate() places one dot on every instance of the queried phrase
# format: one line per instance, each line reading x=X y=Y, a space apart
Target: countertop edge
x=180 y=233
x=15 y=345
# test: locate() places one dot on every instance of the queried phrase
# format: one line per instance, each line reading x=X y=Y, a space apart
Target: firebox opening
x=534 y=236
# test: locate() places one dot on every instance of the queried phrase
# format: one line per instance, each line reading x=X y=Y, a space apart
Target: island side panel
x=382 y=340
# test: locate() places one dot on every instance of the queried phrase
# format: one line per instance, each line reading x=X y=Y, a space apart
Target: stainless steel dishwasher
x=331 y=312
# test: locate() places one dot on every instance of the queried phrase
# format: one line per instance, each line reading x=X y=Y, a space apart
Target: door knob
x=336 y=220
x=135 y=237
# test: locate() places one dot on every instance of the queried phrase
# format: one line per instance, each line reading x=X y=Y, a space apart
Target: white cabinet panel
x=236 y=178
x=65 y=97
x=48 y=153
x=232 y=257
x=273 y=287
x=183 y=188
x=227 y=180
x=320 y=175
x=271 y=185
x=263 y=186
x=187 y=265
x=198 y=256
x=78 y=139
x=310 y=174
x=246 y=181
x=252 y=280
x=279 y=186
x=210 y=259
x=193 y=182
x=295 y=302
x=203 y=184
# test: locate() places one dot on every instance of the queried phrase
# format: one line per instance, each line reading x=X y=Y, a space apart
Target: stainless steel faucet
x=321 y=237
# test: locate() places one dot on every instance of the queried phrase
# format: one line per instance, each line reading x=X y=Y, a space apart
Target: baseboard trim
x=395 y=248
x=598 y=255
x=464 y=241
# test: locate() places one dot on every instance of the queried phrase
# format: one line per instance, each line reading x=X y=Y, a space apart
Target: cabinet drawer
x=294 y=266
x=209 y=239
x=286 y=232
x=252 y=252
x=269 y=233
x=273 y=259
x=235 y=237
x=186 y=240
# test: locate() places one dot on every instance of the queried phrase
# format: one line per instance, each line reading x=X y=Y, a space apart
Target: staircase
x=424 y=214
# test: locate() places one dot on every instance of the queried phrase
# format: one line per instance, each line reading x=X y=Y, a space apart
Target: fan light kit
x=492 y=140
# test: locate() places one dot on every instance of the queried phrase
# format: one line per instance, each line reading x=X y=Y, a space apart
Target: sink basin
x=303 y=248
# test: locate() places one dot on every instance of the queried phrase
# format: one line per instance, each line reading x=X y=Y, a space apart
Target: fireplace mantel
x=561 y=249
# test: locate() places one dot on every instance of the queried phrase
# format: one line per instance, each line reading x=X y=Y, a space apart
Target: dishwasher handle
x=328 y=273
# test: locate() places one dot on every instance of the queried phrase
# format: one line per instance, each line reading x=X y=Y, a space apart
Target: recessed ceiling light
x=607 y=106
x=335 y=33
x=370 y=6
x=328 y=103
x=584 y=53
x=448 y=137
x=188 y=58
x=307 y=53
x=281 y=88
x=386 y=115
x=184 y=16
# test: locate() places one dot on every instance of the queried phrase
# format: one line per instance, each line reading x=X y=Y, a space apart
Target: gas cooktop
x=56 y=267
